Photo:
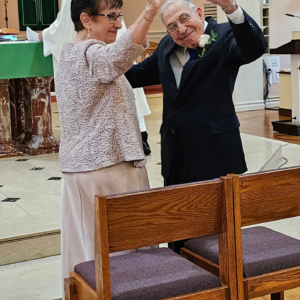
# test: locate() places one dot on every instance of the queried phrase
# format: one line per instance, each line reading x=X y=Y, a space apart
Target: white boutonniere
x=205 y=41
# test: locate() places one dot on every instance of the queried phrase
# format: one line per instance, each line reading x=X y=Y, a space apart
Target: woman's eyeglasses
x=183 y=19
x=112 y=17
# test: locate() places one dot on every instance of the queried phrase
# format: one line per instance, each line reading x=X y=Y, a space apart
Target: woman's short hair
x=168 y=2
x=90 y=7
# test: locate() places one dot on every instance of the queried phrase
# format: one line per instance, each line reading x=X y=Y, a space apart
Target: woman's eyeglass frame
x=111 y=17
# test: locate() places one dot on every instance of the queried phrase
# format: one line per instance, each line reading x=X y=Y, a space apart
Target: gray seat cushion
x=264 y=250
x=152 y=274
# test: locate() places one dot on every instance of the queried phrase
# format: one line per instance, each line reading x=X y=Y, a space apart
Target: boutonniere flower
x=205 y=41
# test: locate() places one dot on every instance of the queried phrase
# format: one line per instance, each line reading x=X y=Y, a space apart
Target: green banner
x=23 y=59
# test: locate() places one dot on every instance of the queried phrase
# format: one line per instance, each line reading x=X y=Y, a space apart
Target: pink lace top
x=99 y=124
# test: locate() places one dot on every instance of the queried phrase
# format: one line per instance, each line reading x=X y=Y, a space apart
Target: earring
x=88 y=34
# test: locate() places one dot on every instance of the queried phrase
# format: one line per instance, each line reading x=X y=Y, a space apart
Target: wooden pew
x=262 y=198
x=259 y=198
x=158 y=216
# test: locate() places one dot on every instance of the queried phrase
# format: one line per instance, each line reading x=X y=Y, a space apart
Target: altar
x=25 y=111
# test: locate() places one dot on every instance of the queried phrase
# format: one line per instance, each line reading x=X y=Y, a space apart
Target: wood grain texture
x=273 y=282
x=246 y=291
x=259 y=198
x=259 y=123
x=270 y=196
x=146 y=218
x=200 y=261
x=70 y=289
x=164 y=215
x=84 y=291
x=238 y=236
x=102 y=267
x=213 y=294
x=227 y=257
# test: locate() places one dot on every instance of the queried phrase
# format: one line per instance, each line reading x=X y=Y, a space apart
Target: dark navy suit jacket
x=201 y=110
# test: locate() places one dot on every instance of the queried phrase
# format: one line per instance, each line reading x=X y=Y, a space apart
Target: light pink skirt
x=78 y=191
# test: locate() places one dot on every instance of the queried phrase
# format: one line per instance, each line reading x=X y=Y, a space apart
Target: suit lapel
x=187 y=69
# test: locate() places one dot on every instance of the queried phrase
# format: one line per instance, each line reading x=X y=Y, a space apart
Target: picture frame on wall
x=266 y=2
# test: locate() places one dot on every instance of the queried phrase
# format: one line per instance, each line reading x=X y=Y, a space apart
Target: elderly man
x=200 y=137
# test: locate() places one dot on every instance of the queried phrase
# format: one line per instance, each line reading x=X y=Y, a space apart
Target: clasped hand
x=155 y=4
x=222 y=3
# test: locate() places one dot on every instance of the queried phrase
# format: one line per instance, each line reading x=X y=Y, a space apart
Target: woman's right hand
x=140 y=27
x=152 y=8
x=155 y=4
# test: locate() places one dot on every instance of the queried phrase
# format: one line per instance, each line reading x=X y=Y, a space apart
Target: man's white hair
x=169 y=2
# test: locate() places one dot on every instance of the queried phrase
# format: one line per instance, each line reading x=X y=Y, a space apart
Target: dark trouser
x=179 y=174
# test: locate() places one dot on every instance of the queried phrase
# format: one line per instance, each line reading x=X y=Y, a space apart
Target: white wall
x=281 y=26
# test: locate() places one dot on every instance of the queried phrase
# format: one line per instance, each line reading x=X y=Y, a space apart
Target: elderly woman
x=101 y=150
x=62 y=30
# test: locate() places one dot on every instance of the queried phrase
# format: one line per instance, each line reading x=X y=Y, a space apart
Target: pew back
x=163 y=215
x=259 y=198
x=269 y=196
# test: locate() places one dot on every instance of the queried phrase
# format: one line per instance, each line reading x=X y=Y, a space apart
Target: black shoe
x=146 y=146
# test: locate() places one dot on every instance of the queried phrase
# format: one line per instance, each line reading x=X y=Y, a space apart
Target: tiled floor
x=37 y=211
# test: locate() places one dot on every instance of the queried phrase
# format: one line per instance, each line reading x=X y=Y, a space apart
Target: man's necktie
x=192 y=54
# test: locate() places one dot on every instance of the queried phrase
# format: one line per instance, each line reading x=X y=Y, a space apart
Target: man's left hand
x=226 y=5
x=222 y=3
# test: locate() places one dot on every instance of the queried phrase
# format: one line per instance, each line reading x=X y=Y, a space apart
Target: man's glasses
x=183 y=19
x=112 y=17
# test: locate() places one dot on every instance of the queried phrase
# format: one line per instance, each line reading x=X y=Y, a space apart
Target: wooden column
x=7 y=147
x=37 y=92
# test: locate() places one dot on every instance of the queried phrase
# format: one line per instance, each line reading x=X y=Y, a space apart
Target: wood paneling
x=220 y=293
x=83 y=290
x=200 y=261
x=164 y=216
x=270 y=284
x=102 y=268
x=279 y=191
x=266 y=197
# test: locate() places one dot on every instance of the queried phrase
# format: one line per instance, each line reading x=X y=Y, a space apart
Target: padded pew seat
x=151 y=275
x=264 y=250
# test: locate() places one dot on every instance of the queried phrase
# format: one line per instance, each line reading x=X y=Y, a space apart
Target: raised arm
x=108 y=62
x=141 y=26
x=247 y=42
